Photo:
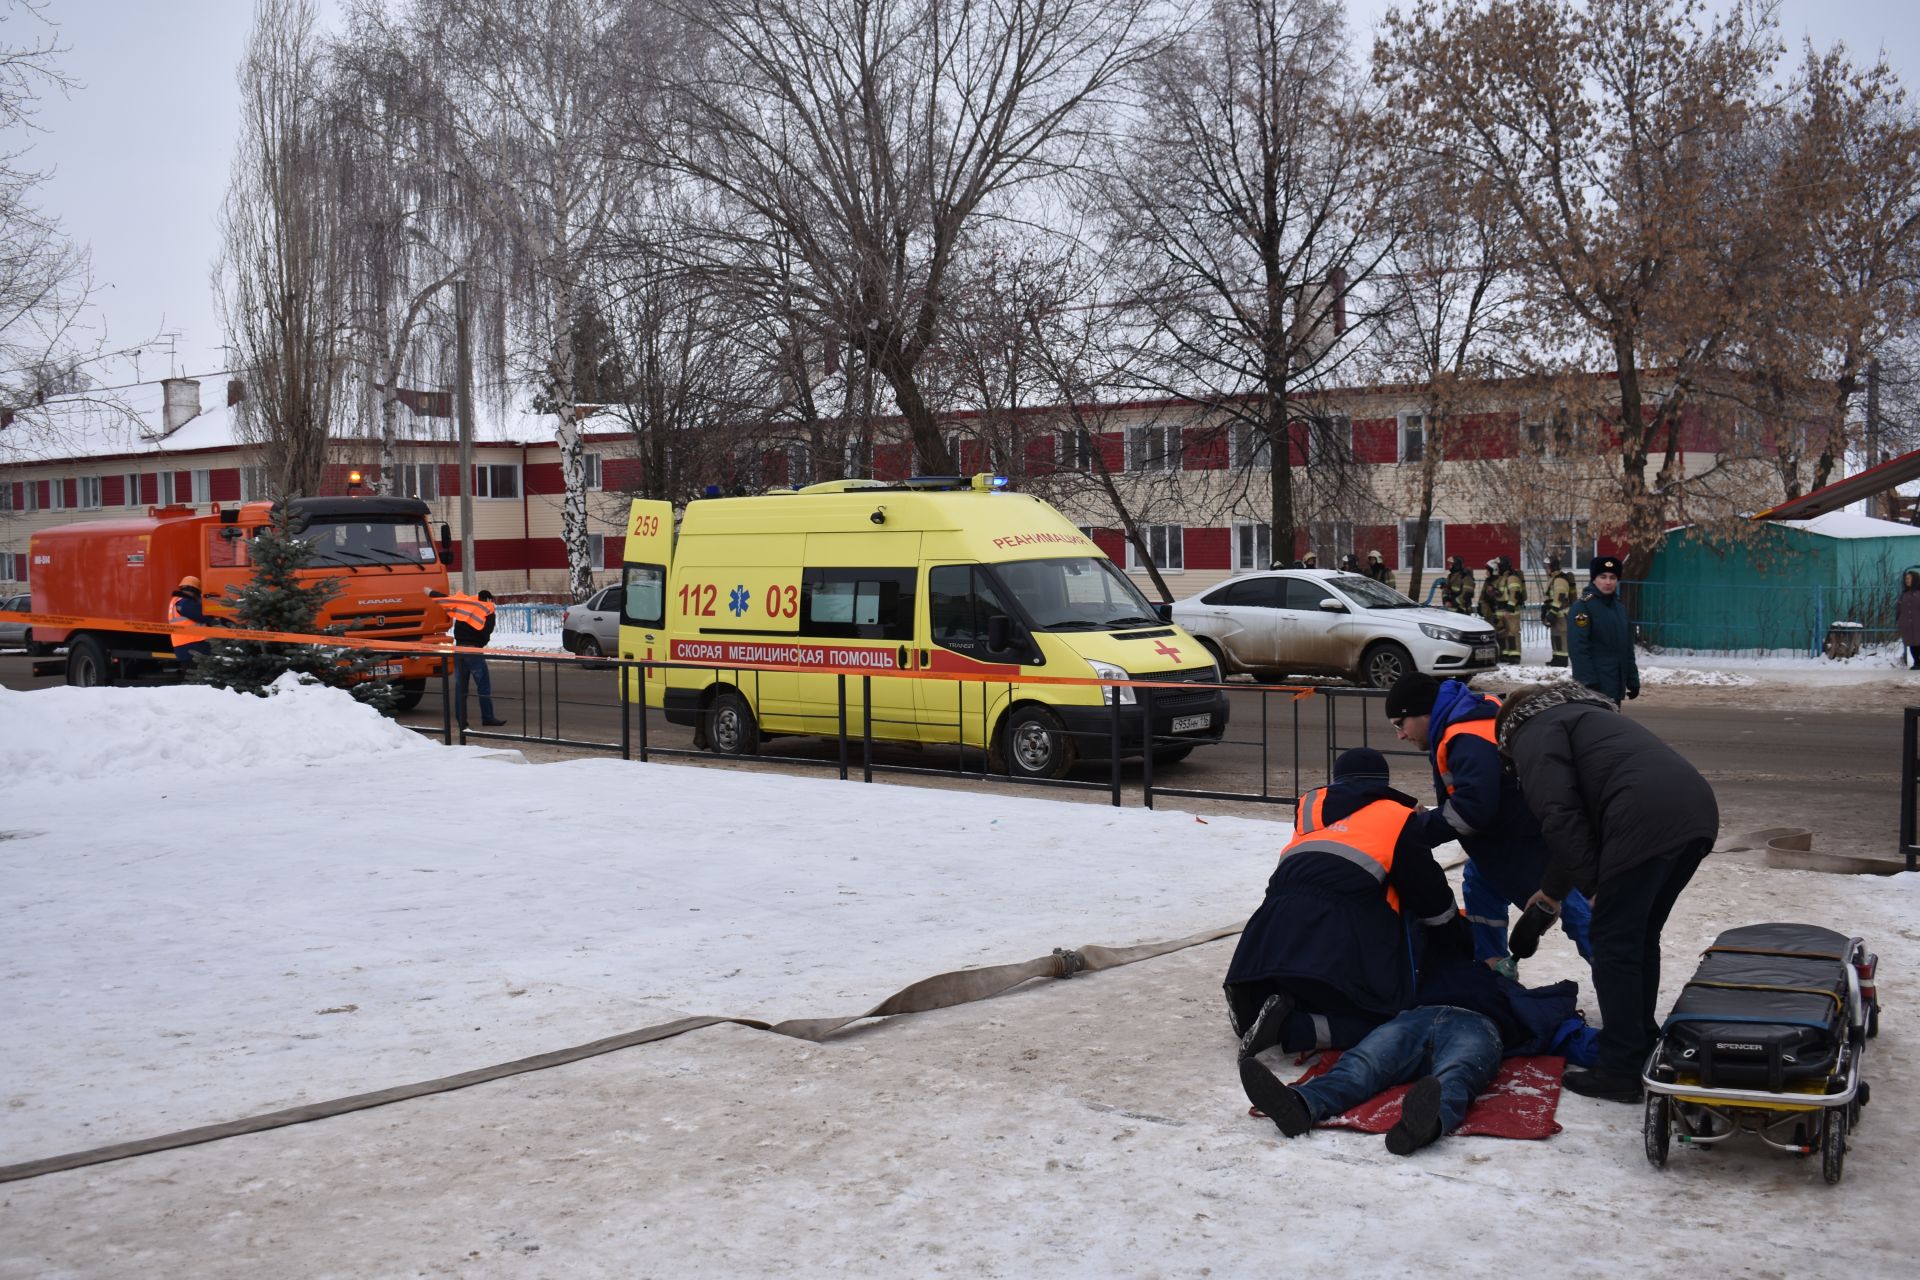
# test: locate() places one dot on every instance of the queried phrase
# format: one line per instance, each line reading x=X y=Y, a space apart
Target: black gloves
x=1534 y=921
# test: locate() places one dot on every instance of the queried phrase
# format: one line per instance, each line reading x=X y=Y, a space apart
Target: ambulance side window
x=859 y=604
x=960 y=599
x=643 y=601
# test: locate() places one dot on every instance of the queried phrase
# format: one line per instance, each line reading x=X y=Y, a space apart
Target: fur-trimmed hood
x=1526 y=703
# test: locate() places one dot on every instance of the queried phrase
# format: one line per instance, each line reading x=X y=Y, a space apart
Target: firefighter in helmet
x=1561 y=593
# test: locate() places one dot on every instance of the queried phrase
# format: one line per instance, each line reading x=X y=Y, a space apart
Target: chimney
x=236 y=392
x=181 y=403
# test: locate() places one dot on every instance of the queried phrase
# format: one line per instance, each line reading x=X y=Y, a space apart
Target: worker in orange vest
x=472 y=618
x=185 y=606
x=1330 y=954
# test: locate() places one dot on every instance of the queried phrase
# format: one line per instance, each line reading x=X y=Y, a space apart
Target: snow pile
x=193 y=932
x=1524 y=673
x=63 y=735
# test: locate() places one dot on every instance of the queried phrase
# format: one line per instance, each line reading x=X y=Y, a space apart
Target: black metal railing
x=1909 y=782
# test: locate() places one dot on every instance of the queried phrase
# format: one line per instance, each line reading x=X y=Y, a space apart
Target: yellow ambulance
x=897 y=582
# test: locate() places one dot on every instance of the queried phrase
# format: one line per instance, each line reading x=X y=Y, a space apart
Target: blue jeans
x=474 y=667
x=1461 y=1047
x=1486 y=900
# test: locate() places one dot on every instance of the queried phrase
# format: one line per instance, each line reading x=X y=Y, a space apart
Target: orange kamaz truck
x=379 y=551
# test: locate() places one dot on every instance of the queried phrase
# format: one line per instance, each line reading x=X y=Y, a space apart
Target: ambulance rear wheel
x=1037 y=744
x=731 y=730
x=87 y=664
x=1658 y=1130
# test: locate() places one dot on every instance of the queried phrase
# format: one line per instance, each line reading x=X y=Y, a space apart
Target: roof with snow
x=1851 y=524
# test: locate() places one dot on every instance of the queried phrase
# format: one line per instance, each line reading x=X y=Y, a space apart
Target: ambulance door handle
x=926 y=659
x=903 y=659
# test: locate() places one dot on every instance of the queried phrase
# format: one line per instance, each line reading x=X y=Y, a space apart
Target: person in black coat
x=1599 y=636
x=1627 y=821
x=1328 y=957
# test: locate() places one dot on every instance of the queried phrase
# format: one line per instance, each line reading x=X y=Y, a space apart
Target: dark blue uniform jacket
x=1486 y=812
x=1600 y=645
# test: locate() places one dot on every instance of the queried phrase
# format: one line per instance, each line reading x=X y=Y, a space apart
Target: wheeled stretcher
x=1767 y=1038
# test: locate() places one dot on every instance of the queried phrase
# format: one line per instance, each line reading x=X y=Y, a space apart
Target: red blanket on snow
x=1518 y=1104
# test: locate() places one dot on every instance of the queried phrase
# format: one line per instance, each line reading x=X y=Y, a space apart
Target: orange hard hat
x=190 y=581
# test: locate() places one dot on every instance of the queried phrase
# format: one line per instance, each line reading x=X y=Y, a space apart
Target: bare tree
x=1240 y=208
x=44 y=277
x=1603 y=130
x=525 y=108
x=283 y=265
x=870 y=134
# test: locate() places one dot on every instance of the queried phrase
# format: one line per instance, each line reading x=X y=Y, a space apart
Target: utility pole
x=464 y=372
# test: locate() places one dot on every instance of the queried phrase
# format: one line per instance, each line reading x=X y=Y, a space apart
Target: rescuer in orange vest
x=472 y=618
x=1331 y=953
x=184 y=606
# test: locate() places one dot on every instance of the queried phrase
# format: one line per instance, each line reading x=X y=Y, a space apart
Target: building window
x=6 y=496
x=202 y=484
x=89 y=492
x=1075 y=449
x=253 y=484
x=420 y=480
x=1166 y=543
x=1330 y=439
x=132 y=498
x=1252 y=545
x=597 y=550
x=1436 y=553
x=496 y=480
x=1568 y=541
x=1248 y=446
x=1331 y=540
x=11 y=566
x=1154 y=448
x=30 y=493
x=56 y=495
x=590 y=468
x=1413 y=437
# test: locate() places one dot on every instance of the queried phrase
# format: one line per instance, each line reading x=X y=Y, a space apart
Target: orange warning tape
x=444 y=647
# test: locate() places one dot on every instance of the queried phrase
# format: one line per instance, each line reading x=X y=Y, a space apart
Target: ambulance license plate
x=1483 y=653
x=1190 y=724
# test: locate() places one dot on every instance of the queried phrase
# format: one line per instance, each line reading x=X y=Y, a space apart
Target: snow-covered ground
x=215 y=905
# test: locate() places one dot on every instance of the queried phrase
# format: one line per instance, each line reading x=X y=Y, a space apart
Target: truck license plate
x=1483 y=653
x=386 y=669
x=1188 y=724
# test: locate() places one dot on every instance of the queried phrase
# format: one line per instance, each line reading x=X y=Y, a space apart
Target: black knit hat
x=1362 y=764
x=1412 y=695
x=1604 y=564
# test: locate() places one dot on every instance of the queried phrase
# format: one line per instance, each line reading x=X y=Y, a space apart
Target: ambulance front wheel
x=1037 y=744
x=731 y=730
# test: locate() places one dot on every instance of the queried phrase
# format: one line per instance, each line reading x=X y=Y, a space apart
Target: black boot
x=1286 y=1108
x=1265 y=1031
x=1608 y=1086
x=1419 y=1123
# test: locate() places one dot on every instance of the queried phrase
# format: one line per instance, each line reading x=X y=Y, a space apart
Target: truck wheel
x=411 y=691
x=731 y=730
x=87 y=664
x=1037 y=744
x=1384 y=663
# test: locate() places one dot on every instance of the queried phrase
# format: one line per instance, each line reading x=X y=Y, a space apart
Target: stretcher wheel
x=1833 y=1146
x=1658 y=1130
x=1873 y=1020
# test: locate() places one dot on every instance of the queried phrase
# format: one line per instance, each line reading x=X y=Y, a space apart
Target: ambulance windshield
x=1083 y=593
x=373 y=539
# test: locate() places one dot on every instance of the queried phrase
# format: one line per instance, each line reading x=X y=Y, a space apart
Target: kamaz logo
x=384 y=600
x=1741 y=1048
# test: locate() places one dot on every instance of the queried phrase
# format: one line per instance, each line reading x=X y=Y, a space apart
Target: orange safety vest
x=471 y=610
x=1469 y=728
x=193 y=635
x=1365 y=837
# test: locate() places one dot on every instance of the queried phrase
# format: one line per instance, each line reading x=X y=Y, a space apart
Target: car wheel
x=1171 y=755
x=731 y=730
x=588 y=647
x=87 y=664
x=1037 y=744
x=1383 y=663
x=411 y=691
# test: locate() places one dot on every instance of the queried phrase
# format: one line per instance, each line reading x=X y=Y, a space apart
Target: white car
x=1324 y=622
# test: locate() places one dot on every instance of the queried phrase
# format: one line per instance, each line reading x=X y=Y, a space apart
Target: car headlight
x=1443 y=633
x=1107 y=671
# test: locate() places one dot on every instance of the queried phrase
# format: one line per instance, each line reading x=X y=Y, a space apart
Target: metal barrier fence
x=1909 y=783
x=1297 y=747
x=529 y=619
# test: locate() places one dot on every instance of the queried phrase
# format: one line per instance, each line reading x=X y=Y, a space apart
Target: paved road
x=1836 y=771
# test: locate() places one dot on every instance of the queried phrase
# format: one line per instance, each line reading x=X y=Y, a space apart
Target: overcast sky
x=141 y=148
